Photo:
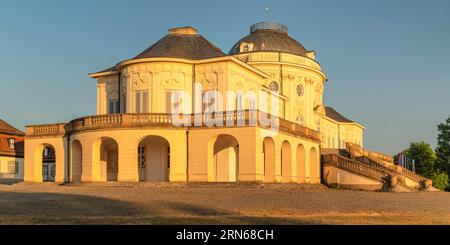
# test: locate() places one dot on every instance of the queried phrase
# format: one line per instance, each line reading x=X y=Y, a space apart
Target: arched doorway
x=48 y=156
x=225 y=159
x=286 y=163
x=269 y=159
x=300 y=163
x=153 y=159
x=108 y=157
x=314 y=166
x=76 y=161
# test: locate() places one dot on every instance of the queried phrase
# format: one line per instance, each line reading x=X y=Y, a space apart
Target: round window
x=300 y=90
x=273 y=86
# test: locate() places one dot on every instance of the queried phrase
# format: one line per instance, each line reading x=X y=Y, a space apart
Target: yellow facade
x=133 y=137
x=335 y=135
x=5 y=168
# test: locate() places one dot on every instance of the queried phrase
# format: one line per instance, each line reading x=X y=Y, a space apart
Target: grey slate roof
x=270 y=40
x=193 y=47
x=333 y=114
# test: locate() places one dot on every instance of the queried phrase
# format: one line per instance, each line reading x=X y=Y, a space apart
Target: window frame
x=12 y=143
x=13 y=167
x=141 y=102
x=113 y=106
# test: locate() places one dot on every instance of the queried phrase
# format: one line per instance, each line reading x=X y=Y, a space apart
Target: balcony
x=244 y=118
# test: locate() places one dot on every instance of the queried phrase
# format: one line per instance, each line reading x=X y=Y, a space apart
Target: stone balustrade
x=45 y=129
x=220 y=119
x=354 y=166
x=369 y=168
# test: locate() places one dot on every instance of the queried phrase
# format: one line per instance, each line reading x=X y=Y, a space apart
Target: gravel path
x=216 y=204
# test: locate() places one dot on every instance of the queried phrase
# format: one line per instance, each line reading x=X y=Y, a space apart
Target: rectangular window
x=252 y=103
x=124 y=104
x=240 y=102
x=173 y=101
x=113 y=106
x=11 y=144
x=141 y=101
x=13 y=167
x=209 y=100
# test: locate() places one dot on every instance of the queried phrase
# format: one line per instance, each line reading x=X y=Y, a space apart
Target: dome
x=268 y=36
x=184 y=43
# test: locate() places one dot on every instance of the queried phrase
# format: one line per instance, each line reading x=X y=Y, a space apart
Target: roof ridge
x=333 y=114
x=8 y=128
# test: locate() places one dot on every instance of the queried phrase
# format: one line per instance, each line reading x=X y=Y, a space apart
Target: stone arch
x=300 y=163
x=153 y=158
x=314 y=165
x=223 y=159
x=286 y=162
x=269 y=159
x=76 y=160
x=105 y=159
x=45 y=161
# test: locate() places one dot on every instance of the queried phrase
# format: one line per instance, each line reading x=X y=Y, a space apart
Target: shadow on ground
x=57 y=208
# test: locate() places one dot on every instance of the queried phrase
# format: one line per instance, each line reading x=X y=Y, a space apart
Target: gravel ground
x=154 y=203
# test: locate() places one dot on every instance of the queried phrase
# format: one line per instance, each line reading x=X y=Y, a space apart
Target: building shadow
x=63 y=208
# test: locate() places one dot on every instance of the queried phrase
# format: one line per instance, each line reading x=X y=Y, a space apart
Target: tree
x=440 y=180
x=443 y=147
x=423 y=156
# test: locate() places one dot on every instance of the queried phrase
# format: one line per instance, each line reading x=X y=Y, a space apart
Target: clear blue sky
x=388 y=62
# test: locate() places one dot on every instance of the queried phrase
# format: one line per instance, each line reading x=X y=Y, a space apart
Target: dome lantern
x=269 y=37
x=269 y=26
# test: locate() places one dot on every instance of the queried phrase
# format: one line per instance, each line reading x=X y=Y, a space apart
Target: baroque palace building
x=269 y=124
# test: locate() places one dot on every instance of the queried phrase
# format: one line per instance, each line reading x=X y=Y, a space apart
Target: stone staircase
x=356 y=168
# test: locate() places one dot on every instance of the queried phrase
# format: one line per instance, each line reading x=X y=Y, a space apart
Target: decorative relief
x=124 y=83
x=141 y=80
x=300 y=90
x=289 y=77
x=273 y=86
x=246 y=47
x=112 y=89
x=300 y=118
x=208 y=80
x=274 y=75
x=318 y=95
x=240 y=85
x=320 y=110
x=172 y=80
x=245 y=79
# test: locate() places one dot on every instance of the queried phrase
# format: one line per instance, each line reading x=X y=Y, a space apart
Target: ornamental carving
x=289 y=77
x=318 y=95
x=172 y=80
x=246 y=47
x=273 y=86
x=112 y=89
x=123 y=84
x=320 y=110
x=300 y=90
x=240 y=85
x=141 y=80
x=300 y=118
x=208 y=80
